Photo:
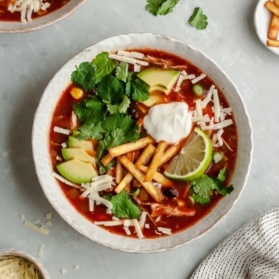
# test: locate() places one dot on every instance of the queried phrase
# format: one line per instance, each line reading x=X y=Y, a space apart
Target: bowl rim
x=40 y=22
x=163 y=245
x=26 y=256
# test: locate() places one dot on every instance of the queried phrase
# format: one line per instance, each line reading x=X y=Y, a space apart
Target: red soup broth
x=61 y=118
x=6 y=15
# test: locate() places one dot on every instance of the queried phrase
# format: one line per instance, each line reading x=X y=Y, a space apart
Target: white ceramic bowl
x=41 y=22
x=21 y=254
x=40 y=143
x=262 y=17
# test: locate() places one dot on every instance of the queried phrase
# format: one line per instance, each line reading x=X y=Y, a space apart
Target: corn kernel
x=76 y=93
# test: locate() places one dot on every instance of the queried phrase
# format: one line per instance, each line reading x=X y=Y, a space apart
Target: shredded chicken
x=168 y=210
x=165 y=63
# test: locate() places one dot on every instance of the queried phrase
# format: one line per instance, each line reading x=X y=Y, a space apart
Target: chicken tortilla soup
x=26 y=10
x=143 y=143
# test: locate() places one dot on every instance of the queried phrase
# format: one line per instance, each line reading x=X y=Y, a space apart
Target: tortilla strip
x=169 y=154
x=142 y=160
x=158 y=177
x=131 y=146
x=272 y=7
x=273 y=28
x=154 y=192
x=273 y=43
x=155 y=161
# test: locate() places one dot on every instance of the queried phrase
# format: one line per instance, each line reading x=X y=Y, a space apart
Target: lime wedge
x=193 y=159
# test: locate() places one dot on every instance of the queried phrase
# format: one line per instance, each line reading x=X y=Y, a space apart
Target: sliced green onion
x=217 y=157
x=198 y=90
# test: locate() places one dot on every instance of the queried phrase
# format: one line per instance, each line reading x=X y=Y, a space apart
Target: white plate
x=262 y=17
x=40 y=144
x=41 y=22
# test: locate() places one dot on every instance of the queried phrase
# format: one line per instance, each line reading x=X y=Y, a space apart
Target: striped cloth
x=252 y=252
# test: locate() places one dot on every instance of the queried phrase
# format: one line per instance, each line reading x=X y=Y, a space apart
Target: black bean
x=170 y=192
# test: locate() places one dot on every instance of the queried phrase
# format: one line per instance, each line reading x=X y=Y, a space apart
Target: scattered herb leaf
x=104 y=65
x=123 y=207
x=84 y=76
x=122 y=71
x=198 y=19
x=137 y=89
x=161 y=7
x=204 y=186
x=94 y=131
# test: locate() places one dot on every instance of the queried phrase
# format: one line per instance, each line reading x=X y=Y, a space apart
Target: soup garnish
x=143 y=143
x=22 y=10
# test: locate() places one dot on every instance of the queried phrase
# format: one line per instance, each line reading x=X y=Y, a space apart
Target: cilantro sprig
x=103 y=114
x=85 y=76
x=161 y=7
x=203 y=187
x=198 y=19
x=123 y=207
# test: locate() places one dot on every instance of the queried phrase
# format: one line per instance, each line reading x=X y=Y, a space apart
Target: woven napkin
x=252 y=252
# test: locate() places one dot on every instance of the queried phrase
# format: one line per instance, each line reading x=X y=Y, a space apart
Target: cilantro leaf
x=84 y=76
x=137 y=89
x=104 y=169
x=122 y=107
x=204 y=186
x=123 y=122
x=221 y=176
x=111 y=90
x=223 y=190
x=93 y=103
x=123 y=207
x=114 y=138
x=122 y=71
x=93 y=130
x=198 y=19
x=161 y=7
x=104 y=65
x=201 y=200
x=91 y=110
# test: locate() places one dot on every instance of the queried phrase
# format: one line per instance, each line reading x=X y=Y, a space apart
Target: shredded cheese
x=41 y=251
x=27 y=8
x=132 y=54
x=197 y=79
x=217 y=108
x=164 y=230
x=138 y=229
x=18 y=267
x=127 y=230
x=61 y=130
x=127 y=59
x=62 y=179
x=219 y=125
x=108 y=223
x=35 y=228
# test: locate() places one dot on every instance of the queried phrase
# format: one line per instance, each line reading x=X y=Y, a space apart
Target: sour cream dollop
x=168 y=122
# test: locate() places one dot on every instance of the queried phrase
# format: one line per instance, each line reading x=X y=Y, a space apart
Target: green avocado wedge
x=159 y=78
x=84 y=144
x=77 y=171
x=77 y=153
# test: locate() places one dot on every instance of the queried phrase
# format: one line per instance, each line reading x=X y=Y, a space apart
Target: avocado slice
x=77 y=171
x=158 y=88
x=157 y=76
x=84 y=144
x=77 y=153
x=155 y=98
